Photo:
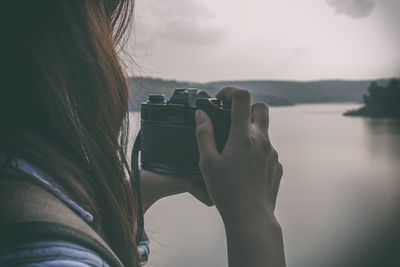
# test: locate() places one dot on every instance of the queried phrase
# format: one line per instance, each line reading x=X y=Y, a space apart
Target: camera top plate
x=182 y=105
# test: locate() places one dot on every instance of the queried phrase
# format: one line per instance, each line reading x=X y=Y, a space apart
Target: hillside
x=274 y=93
x=141 y=88
x=305 y=92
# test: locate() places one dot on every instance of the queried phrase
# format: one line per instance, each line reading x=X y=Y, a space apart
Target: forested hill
x=381 y=101
x=274 y=93
x=306 y=92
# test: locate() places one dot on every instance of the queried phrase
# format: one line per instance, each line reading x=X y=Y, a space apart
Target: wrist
x=256 y=222
x=255 y=240
x=257 y=215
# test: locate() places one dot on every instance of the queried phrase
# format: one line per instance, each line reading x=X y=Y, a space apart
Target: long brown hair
x=64 y=105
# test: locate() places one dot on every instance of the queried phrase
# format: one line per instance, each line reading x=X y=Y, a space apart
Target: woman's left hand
x=155 y=186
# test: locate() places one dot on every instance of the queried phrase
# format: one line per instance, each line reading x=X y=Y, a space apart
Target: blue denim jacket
x=58 y=252
x=50 y=254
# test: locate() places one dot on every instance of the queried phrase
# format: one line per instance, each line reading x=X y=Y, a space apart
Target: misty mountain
x=274 y=93
x=305 y=92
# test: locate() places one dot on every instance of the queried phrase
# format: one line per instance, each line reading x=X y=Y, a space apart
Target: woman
x=63 y=115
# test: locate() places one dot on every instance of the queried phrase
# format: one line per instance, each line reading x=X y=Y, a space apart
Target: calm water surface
x=341 y=181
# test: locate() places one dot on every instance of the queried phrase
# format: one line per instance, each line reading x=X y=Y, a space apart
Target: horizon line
x=265 y=80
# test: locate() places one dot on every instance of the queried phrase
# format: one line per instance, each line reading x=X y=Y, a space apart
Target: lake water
x=341 y=182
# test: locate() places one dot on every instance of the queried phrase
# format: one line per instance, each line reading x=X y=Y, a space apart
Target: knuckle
x=274 y=155
x=246 y=140
x=266 y=145
x=279 y=169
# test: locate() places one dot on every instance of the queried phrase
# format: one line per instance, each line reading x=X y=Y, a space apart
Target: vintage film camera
x=168 y=141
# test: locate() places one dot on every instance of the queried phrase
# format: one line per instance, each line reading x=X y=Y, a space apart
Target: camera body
x=168 y=134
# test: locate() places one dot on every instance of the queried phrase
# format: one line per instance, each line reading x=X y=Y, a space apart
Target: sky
x=213 y=40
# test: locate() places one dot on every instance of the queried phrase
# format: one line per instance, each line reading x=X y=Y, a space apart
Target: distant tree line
x=142 y=87
x=271 y=100
x=380 y=101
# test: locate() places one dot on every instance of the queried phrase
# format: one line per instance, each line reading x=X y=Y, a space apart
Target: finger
x=205 y=135
x=260 y=116
x=241 y=110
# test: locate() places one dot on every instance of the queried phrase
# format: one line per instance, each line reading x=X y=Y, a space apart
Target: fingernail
x=199 y=116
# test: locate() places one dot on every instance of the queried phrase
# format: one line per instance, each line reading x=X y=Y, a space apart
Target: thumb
x=205 y=135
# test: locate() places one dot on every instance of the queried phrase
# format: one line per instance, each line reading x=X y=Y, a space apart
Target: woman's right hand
x=245 y=178
x=243 y=181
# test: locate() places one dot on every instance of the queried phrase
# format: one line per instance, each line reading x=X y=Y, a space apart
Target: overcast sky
x=209 y=40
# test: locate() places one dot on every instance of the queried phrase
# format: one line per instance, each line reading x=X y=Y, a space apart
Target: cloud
x=191 y=33
x=300 y=50
x=353 y=8
x=181 y=21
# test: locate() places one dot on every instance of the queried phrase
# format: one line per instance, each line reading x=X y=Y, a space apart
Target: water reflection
x=383 y=139
x=340 y=188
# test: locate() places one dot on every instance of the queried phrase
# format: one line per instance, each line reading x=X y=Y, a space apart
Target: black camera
x=168 y=141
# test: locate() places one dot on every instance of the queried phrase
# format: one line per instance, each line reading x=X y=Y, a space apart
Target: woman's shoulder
x=31 y=213
x=50 y=253
x=24 y=200
x=23 y=183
